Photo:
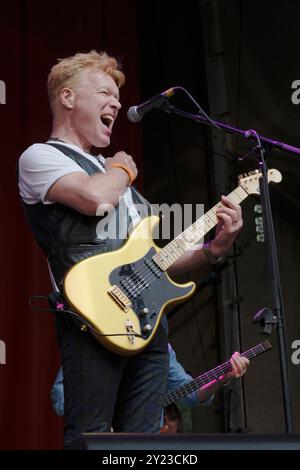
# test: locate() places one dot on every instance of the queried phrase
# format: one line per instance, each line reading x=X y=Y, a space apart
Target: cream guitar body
x=129 y=326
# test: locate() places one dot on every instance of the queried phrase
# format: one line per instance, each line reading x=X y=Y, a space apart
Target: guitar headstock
x=250 y=181
x=266 y=345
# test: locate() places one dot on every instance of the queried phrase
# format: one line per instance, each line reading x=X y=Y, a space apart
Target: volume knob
x=144 y=311
x=147 y=328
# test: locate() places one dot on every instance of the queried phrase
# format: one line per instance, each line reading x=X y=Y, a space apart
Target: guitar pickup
x=119 y=297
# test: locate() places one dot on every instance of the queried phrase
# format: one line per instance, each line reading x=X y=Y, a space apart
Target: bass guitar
x=198 y=382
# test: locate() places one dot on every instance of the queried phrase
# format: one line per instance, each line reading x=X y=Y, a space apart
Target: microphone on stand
x=136 y=113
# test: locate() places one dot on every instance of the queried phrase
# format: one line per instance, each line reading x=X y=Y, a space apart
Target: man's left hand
x=229 y=226
x=239 y=366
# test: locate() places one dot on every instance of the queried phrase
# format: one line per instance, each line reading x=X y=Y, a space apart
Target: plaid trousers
x=104 y=390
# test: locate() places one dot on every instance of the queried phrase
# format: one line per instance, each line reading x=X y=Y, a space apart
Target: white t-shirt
x=41 y=165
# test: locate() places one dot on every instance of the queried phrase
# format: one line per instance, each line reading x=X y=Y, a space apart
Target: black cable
x=200 y=109
x=78 y=317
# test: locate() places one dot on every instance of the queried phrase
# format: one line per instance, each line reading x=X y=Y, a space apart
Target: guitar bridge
x=119 y=297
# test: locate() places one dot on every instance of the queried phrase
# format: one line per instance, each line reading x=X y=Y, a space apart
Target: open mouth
x=107 y=120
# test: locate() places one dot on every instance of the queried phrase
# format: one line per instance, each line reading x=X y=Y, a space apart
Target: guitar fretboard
x=213 y=374
x=187 y=239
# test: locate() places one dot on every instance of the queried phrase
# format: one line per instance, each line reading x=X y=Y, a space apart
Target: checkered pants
x=104 y=390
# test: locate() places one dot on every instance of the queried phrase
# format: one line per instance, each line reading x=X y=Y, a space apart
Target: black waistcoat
x=65 y=235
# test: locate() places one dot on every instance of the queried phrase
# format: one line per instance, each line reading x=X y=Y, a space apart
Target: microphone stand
x=230 y=129
x=262 y=145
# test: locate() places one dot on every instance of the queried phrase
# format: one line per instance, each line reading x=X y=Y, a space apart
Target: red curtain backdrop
x=33 y=35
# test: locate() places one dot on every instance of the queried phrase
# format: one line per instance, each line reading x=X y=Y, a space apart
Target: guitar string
x=143 y=269
x=226 y=367
x=213 y=374
x=233 y=195
x=151 y=277
x=140 y=285
x=144 y=283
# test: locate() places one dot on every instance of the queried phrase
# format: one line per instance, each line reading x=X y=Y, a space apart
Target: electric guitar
x=212 y=374
x=122 y=295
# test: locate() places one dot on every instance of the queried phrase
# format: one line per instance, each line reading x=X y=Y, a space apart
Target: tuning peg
x=260 y=237
x=258 y=208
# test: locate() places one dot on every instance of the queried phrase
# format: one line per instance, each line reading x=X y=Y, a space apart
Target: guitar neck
x=187 y=239
x=212 y=374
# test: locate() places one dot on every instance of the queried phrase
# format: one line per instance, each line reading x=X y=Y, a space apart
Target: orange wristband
x=125 y=168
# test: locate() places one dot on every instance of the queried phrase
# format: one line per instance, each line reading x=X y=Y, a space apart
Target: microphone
x=136 y=113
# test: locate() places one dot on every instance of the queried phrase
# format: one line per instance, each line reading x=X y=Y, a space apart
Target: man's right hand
x=86 y=193
x=122 y=158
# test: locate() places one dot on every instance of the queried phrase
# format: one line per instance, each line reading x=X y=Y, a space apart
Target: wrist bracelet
x=125 y=168
x=215 y=260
